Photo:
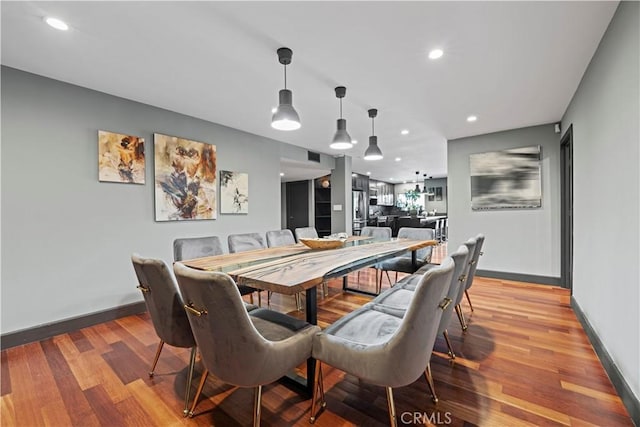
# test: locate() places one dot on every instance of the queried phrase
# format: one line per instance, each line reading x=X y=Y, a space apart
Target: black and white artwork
x=508 y=179
x=234 y=192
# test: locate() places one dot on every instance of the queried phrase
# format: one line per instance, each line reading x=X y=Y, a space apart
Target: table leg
x=312 y=318
x=414 y=260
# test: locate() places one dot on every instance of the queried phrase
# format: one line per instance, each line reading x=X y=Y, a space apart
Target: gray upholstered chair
x=166 y=310
x=197 y=247
x=403 y=263
x=284 y=237
x=311 y=233
x=474 y=266
x=306 y=233
x=245 y=242
x=380 y=346
x=245 y=349
x=376 y=233
x=402 y=293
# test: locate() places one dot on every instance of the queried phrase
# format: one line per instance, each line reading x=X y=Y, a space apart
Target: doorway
x=297 y=193
x=566 y=210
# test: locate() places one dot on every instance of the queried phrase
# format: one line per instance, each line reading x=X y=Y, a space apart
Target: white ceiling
x=512 y=64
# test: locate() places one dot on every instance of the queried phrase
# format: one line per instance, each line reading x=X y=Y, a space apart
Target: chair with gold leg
x=197 y=247
x=247 y=242
x=474 y=265
x=284 y=237
x=383 y=233
x=404 y=262
x=311 y=233
x=166 y=310
x=384 y=346
x=245 y=349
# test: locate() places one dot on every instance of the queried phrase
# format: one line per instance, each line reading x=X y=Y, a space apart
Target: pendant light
x=425 y=190
x=341 y=140
x=417 y=189
x=373 y=151
x=285 y=117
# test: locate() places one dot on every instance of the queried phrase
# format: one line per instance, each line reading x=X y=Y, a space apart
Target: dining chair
x=283 y=237
x=306 y=233
x=197 y=247
x=383 y=347
x=311 y=233
x=166 y=310
x=474 y=265
x=375 y=233
x=400 y=296
x=247 y=242
x=245 y=349
x=404 y=262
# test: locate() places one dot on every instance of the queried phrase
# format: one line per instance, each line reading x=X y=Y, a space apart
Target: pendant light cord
x=285 y=76
x=340 y=107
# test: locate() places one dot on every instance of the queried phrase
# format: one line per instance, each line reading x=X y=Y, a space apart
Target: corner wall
x=68 y=238
x=520 y=241
x=605 y=114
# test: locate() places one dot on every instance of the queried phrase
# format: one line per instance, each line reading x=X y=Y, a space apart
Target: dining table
x=296 y=268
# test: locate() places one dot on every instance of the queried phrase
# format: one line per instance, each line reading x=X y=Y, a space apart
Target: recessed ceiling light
x=368 y=173
x=354 y=175
x=435 y=54
x=398 y=159
x=472 y=118
x=56 y=23
x=404 y=182
x=405 y=132
x=354 y=141
x=281 y=173
x=390 y=179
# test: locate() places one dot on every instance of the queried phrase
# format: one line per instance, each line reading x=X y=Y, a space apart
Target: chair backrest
x=196 y=247
x=306 y=233
x=407 y=351
x=232 y=349
x=245 y=242
x=163 y=301
x=376 y=232
x=471 y=246
x=280 y=238
x=474 y=260
x=461 y=264
x=418 y=234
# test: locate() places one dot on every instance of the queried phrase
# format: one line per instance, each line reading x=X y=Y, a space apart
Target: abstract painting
x=185 y=179
x=120 y=158
x=234 y=192
x=508 y=179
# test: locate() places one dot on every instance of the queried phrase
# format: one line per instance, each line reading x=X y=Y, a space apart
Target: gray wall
x=604 y=113
x=67 y=238
x=524 y=241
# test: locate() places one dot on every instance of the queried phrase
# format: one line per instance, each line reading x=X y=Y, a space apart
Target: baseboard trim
x=629 y=399
x=530 y=278
x=38 y=333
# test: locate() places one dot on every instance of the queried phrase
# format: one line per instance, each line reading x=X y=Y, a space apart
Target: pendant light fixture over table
x=417 y=189
x=341 y=140
x=285 y=116
x=373 y=151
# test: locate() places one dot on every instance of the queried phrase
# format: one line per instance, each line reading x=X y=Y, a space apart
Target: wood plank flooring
x=524 y=361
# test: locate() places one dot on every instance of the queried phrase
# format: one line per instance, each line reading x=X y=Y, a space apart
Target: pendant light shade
x=341 y=140
x=373 y=151
x=417 y=189
x=285 y=116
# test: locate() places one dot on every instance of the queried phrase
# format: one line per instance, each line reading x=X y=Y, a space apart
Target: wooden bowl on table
x=323 y=243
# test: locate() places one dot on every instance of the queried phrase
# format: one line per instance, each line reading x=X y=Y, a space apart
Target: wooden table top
x=295 y=268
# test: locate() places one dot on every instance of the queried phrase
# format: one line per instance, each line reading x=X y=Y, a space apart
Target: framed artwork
x=431 y=194
x=508 y=179
x=439 y=194
x=185 y=179
x=120 y=158
x=234 y=192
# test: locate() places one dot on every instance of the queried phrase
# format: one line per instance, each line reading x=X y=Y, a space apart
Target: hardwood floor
x=523 y=361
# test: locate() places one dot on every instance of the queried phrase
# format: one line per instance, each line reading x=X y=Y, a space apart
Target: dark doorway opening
x=297 y=204
x=566 y=211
